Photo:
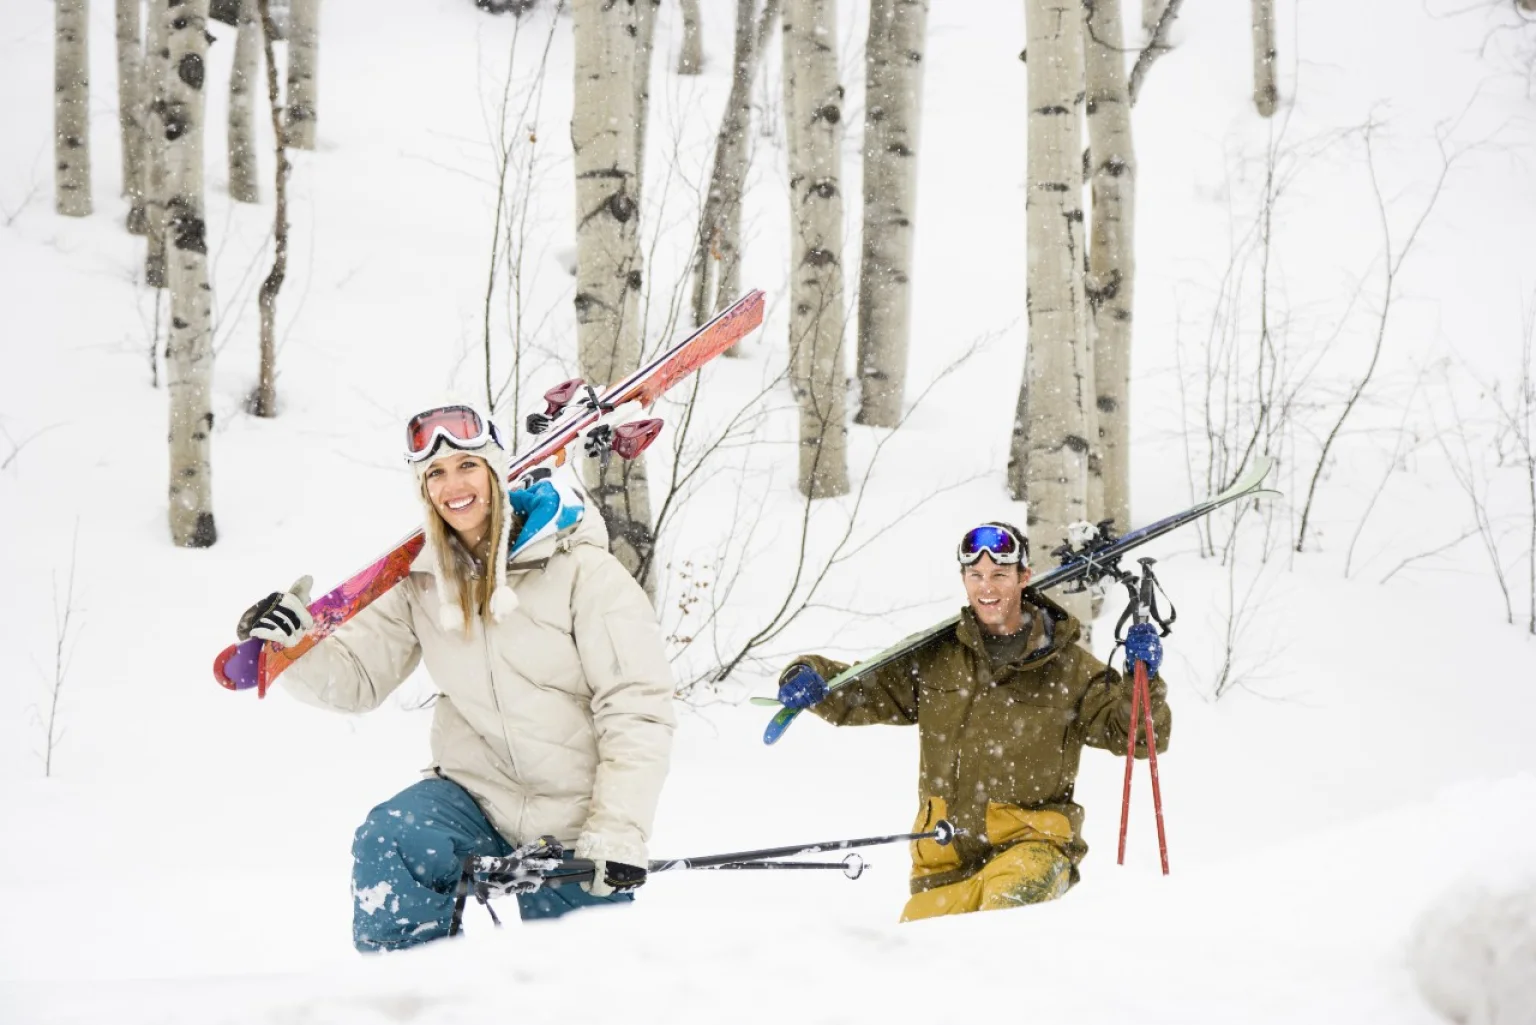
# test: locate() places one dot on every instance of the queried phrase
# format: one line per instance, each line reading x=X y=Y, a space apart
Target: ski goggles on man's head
x=1005 y=546
x=459 y=426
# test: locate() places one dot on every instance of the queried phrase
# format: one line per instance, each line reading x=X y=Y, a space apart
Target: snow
x=1350 y=826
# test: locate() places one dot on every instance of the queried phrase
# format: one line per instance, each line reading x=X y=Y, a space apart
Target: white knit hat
x=450 y=615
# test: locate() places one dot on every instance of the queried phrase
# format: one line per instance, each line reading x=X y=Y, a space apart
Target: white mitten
x=280 y=617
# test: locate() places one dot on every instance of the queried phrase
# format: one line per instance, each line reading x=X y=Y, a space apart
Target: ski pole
x=1143 y=599
x=942 y=833
x=579 y=870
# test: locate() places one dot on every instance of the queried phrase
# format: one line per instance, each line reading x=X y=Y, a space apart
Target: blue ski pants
x=406 y=861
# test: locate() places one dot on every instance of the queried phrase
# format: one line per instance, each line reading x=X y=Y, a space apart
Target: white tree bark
x=1151 y=10
x=303 y=65
x=242 y=94
x=645 y=45
x=130 y=104
x=263 y=401
x=813 y=112
x=71 y=109
x=1266 y=90
x=1109 y=287
x=608 y=269
x=690 y=59
x=189 y=354
x=717 y=258
x=892 y=107
x=155 y=77
x=1048 y=458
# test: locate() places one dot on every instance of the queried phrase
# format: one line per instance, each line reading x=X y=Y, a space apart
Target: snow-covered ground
x=187 y=860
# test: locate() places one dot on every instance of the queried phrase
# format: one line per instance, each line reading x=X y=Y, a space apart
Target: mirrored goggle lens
x=994 y=541
x=458 y=422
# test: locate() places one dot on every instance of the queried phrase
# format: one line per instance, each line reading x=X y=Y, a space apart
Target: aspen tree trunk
x=645 y=45
x=1151 y=10
x=130 y=104
x=242 y=94
x=608 y=271
x=690 y=60
x=71 y=109
x=155 y=75
x=718 y=250
x=1266 y=91
x=1048 y=459
x=303 y=63
x=1109 y=287
x=263 y=400
x=892 y=106
x=189 y=354
x=813 y=112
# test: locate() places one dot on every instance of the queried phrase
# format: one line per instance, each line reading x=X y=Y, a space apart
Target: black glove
x=538 y=423
x=610 y=877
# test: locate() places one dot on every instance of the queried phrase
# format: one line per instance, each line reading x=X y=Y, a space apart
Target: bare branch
x=1156 y=46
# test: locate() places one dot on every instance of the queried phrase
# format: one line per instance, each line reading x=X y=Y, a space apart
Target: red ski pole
x=1130 y=758
x=1141 y=716
x=1143 y=685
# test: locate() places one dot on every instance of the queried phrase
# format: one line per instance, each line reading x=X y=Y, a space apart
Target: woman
x=555 y=713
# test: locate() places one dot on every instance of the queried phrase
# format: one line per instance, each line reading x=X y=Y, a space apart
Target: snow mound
x=1473 y=950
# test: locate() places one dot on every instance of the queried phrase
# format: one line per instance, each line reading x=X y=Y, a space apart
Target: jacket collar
x=1061 y=631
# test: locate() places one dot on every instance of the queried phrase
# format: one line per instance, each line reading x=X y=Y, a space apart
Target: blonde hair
x=474 y=594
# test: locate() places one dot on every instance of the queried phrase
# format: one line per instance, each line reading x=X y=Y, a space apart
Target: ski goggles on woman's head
x=459 y=426
x=1005 y=546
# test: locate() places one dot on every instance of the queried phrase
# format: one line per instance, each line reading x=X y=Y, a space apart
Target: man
x=1003 y=708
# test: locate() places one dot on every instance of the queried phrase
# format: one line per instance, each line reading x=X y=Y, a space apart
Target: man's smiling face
x=996 y=594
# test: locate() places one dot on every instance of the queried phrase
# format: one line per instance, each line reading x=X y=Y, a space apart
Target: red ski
x=256 y=663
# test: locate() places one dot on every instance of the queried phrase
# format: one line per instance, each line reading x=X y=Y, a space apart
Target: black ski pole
x=579 y=870
x=942 y=833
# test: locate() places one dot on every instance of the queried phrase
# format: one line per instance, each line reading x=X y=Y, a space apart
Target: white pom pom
x=503 y=602
x=450 y=618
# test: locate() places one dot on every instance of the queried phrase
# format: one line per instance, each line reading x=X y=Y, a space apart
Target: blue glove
x=1142 y=644
x=801 y=686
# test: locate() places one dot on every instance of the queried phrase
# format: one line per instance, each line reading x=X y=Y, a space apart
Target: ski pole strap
x=1149 y=589
x=461 y=893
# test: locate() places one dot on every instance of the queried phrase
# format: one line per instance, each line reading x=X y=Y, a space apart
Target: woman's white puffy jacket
x=557 y=719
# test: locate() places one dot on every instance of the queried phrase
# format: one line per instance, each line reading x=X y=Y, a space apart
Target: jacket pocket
x=1010 y=824
x=929 y=857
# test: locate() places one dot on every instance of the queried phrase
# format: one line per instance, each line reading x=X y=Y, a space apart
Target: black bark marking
x=621 y=207
x=190 y=234
x=819 y=258
x=1107 y=404
x=205 y=533
x=190 y=70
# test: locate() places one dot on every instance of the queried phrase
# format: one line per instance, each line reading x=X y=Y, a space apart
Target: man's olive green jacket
x=1008 y=734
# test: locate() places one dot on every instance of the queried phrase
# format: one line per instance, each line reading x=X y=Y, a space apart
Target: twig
x=1392 y=266
x=16 y=447
x=61 y=617
x=1425 y=555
